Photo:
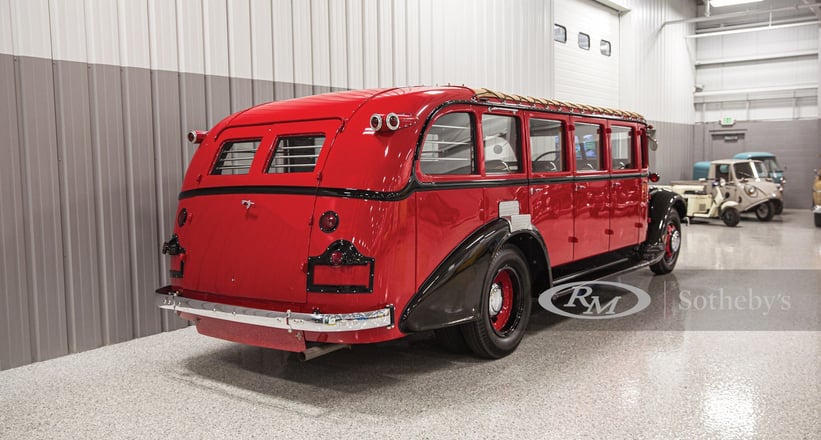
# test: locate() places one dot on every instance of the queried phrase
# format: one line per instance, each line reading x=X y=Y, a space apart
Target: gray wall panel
x=283 y=91
x=15 y=338
x=77 y=189
x=41 y=207
x=112 y=203
x=143 y=208
x=795 y=143
x=674 y=158
x=241 y=94
x=217 y=99
x=263 y=91
x=168 y=161
x=192 y=111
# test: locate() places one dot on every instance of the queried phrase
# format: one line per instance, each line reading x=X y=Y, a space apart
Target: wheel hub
x=675 y=241
x=496 y=299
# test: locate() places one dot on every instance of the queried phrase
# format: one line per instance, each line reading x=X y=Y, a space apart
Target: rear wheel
x=504 y=307
x=730 y=216
x=817 y=217
x=765 y=211
x=672 y=244
x=779 y=207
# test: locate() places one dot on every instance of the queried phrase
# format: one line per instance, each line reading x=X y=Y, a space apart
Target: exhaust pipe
x=319 y=350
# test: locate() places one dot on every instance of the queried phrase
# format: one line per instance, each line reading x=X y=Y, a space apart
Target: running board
x=611 y=269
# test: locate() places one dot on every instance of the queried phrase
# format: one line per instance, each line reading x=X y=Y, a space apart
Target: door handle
x=580 y=186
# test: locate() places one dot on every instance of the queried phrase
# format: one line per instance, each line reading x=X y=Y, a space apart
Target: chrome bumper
x=312 y=322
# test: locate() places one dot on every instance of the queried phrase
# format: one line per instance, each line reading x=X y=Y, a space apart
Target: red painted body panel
x=254 y=255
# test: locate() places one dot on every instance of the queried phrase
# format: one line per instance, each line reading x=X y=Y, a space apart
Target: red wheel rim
x=671 y=239
x=501 y=311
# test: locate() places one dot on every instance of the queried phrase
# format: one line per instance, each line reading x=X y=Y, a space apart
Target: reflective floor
x=669 y=371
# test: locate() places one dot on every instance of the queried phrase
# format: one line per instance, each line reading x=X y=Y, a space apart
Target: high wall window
x=546 y=141
x=449 y=146
x=584 y=41
x=559 y=33
x=605 y=48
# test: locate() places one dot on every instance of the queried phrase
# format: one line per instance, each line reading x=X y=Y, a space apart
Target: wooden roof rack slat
x=554 y=104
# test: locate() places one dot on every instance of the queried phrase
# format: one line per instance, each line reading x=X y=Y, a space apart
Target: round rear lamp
x=376 y=121
x=654 y=177
x=392 y=121
x=329 y=221
x=336 y=258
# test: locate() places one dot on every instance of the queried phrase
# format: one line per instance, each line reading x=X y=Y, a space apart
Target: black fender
x=662 y=201
x=450 y=294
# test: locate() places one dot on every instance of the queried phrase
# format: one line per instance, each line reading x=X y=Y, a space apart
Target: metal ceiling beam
x=747 y=13
x=755 y=29
x=776 y=56
x=793 y=88
x=815 y=9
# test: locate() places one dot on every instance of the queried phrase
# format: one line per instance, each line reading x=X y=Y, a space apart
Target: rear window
x=235 y=157
x=296 y=154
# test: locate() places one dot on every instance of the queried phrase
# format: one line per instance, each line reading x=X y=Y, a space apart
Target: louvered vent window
x=235 y=157
x=296 y=154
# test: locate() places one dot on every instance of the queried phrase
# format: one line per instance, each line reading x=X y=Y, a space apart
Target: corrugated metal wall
x=95 y=96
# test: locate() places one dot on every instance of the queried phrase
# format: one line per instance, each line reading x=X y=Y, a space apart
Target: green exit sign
x=727 y=121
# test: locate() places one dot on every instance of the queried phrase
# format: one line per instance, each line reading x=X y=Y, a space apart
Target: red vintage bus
x=363 y=216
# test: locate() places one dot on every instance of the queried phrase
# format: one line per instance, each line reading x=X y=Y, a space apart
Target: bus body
x=362 y=216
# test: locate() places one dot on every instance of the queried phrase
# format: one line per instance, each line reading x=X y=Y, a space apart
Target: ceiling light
x=721 y=3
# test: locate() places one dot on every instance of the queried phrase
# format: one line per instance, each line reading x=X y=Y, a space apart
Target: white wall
x=798 y=77
x=329 y=43
x=586 y=75
x=656 y=71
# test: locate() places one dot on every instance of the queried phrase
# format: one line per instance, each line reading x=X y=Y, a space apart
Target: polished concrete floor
x=667 y=372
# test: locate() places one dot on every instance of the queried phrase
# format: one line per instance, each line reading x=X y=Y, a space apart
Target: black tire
x=730 y=216
x=672 y=244
x=497 y=333
x=452 y=340
x=765 y=211
x=817 y=217
x=779 y=207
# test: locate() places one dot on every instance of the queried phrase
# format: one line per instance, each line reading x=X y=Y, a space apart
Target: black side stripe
x=392 y=196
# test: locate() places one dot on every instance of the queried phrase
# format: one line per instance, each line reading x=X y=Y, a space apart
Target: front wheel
x=504 y=307
x=672 y=244
x=730 y=216
x=765 y=211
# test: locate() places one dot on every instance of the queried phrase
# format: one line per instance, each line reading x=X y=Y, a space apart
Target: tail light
x=329 y=221
x=654 y=177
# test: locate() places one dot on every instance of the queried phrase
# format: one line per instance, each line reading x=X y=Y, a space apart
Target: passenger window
x=621 y=148
x=502 y=146
x=546 y=141
x=296 y=154
x=723 y=172
x=588 y=147
x=235 y=157
x=449 y=146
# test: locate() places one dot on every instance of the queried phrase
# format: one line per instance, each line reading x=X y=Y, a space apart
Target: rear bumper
x=287 y=320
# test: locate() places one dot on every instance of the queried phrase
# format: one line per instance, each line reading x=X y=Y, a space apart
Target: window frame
x=521 y=149
x=634 y=133
x=272 y=154
x=604 y=159
x=563 y=148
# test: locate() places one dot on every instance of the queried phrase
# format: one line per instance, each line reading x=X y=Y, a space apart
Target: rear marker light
x=196 y=136
x=329 y=221
x=182 y=217
x=336 y=258
x=654 y=177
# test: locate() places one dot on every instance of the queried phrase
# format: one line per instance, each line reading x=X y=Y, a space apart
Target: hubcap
x=500 y=299
x=495 y=299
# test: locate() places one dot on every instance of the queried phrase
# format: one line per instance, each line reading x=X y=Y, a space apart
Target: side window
x=559 y=33
x=588 y=147
x=723 y=172
x=449 y=146
x=235 y=157
x=502 y=146
x=546 y=146
x=621 y=148
x=584 y=41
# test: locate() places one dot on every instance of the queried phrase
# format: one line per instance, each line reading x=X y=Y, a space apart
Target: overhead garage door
x=587 y=75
